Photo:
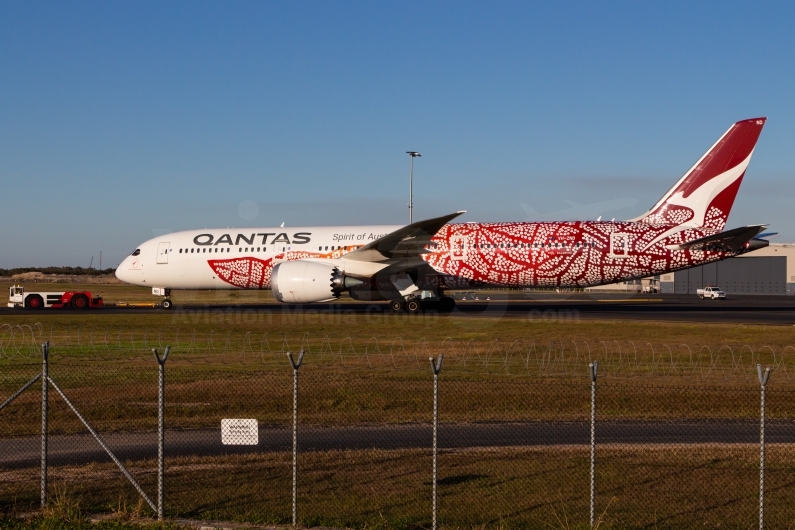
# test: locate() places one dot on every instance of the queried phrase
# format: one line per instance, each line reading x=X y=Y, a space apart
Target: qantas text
x=253 y=239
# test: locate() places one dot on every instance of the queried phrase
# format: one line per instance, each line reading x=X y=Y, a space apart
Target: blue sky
x=122 y=120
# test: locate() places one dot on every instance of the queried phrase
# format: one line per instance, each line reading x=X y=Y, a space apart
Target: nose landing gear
x=166 y=294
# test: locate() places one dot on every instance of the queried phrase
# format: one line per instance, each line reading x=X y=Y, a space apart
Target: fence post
x=161 y=405
x=296 y=365
x=45 y=353
x=593 y=368
x=762 y=382
x=436 y=367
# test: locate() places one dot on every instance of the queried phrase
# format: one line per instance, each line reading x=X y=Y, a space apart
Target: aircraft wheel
x=446 y=304
x=79 y=302
x=413 y=306
x=167 y=303
x=397 y=306
x=34 y=302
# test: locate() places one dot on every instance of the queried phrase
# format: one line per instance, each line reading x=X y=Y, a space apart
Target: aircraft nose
x=120 y=269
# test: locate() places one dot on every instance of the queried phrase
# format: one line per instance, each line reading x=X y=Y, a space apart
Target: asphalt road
x=21 y=452
x=771 y=310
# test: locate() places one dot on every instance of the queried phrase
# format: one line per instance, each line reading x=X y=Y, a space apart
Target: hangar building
x=769 y=270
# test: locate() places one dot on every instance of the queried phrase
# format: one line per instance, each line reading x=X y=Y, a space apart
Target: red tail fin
x=704 y=195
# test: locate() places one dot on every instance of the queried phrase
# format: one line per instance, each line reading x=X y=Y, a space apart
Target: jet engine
x=304 y=281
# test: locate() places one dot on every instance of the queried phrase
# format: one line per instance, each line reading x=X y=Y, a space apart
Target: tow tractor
x=17 y=297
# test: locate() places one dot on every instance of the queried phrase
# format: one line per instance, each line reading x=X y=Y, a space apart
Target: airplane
x=412 y=266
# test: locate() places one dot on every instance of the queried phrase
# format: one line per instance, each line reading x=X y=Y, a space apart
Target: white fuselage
x=180 y=260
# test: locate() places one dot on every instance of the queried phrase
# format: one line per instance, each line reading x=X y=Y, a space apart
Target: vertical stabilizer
x=704 y=196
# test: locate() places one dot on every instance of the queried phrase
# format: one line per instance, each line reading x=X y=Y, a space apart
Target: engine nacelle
x=304 y=281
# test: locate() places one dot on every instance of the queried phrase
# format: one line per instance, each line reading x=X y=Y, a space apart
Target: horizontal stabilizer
x=729 y=241
x=404 y=242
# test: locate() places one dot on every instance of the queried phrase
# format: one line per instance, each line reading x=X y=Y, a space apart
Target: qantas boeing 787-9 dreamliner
x=412 y=266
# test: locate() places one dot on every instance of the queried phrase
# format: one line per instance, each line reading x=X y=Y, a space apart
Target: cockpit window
x=137 y=251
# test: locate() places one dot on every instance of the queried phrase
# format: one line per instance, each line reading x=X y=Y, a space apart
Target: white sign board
x=239 y=432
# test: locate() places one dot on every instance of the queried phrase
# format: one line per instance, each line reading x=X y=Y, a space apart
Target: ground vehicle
x=711 y=292
x=17 y=297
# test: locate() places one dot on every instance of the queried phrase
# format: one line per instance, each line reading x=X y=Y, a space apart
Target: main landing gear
x=414 y=305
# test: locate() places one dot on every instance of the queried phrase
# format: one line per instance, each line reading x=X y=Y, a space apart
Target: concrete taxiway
x=24 y=452
x=770 y=310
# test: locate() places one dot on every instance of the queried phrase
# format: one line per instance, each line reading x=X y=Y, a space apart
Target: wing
x=405 y=242
x=730 y=241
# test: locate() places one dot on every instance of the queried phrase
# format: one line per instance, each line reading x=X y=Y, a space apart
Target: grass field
x=648 y=487
x=123 y=399
x=374 y=370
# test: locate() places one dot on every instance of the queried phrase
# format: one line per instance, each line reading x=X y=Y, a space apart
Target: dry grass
x=123 y=398
x=638 y=487
x=647 y=487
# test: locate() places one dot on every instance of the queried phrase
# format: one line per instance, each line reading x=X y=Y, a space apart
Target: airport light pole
x=411 y=154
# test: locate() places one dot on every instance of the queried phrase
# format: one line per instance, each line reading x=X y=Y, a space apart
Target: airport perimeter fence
x=521 y=443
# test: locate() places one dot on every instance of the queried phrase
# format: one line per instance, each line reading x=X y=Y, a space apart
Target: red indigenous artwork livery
x=576 y=253
x=683 y=229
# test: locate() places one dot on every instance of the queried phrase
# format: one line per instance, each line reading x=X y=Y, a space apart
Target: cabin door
x=162 y=252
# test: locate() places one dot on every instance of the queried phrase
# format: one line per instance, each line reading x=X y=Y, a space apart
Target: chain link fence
x=676 y=431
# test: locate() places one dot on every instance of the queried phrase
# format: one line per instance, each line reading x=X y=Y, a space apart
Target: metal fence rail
x=399 y=447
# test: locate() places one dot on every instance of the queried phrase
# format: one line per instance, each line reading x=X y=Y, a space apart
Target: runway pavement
x=21 y=452
x=771 y=310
